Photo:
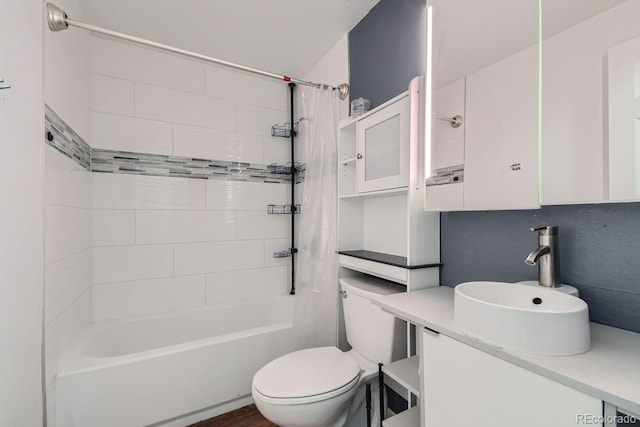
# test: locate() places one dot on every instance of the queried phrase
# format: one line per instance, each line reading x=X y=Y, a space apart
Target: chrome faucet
x=546 y=256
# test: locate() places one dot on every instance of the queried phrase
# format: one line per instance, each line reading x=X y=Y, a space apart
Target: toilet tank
x=373 y=333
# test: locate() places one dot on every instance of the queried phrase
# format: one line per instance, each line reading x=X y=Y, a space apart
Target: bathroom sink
x=523 y=318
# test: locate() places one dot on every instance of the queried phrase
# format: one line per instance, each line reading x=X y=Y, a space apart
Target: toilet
x=325 y=387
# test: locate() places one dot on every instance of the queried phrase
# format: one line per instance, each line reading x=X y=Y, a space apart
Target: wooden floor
x=243 y=417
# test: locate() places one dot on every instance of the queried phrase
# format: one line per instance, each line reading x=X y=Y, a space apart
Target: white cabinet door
x=465 y=387
x=501 y=135
x=383 y=148
x=445 y=190
x=624 y=121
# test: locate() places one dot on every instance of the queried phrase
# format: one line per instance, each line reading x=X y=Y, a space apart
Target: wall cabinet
x=382 y=148
x=589 y=86
x=462 y=386
x=491 y=162
x=445 y=187
x=374 y=149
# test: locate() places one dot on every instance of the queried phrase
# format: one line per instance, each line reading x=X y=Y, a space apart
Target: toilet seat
x=306 y=376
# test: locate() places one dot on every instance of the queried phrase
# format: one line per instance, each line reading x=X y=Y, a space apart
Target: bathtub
x=169 y=369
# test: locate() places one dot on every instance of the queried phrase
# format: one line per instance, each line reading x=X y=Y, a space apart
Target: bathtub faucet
x=546 y=256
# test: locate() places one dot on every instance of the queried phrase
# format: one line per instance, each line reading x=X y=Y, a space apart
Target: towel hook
x=455 y=121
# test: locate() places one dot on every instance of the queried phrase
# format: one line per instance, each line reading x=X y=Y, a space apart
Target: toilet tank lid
x=371 y=287
x=306 y=373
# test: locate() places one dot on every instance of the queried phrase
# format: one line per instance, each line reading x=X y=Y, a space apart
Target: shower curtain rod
x=58 y=21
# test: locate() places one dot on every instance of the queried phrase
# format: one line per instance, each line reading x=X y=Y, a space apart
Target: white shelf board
x=384 y=271
x=371 y=194
x=408 y=418
x=406 y=373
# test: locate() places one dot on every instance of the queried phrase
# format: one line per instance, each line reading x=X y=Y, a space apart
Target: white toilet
x=325 y=387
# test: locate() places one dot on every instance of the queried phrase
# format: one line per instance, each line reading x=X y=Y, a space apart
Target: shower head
x=56 y=18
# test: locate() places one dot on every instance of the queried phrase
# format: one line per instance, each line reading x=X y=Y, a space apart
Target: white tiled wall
x=158 y=247
x=149 y=101
x=67 y=90
x=68 y=259
x=126 y=133
x=163 y=244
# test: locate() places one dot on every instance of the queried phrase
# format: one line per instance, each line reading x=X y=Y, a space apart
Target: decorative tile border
x=449 y=175
x=59 y=135
x=110 y=161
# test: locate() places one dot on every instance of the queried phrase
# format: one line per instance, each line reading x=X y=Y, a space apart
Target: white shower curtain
x=316 y=273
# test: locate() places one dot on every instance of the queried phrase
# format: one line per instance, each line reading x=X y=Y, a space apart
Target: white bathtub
x=154 y=370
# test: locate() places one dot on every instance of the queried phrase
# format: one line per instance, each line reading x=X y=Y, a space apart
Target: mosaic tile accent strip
x=59 y=135
x=110 y=161
x=449 y=175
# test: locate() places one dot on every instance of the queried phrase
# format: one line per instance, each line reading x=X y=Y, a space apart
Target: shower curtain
x=316 y=273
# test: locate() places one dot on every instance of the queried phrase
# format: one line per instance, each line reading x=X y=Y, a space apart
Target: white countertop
x=610 y=371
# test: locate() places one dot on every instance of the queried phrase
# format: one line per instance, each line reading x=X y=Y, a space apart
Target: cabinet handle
x=358 y=156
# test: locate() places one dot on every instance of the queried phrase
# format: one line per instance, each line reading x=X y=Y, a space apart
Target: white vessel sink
x=523 y=318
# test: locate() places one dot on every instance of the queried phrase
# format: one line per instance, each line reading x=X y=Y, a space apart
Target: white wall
x=164 y=244
x=21 y=259
x=67 y=90
x=332 y=69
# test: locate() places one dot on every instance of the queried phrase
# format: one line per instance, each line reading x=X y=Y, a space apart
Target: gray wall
x=599 y=244
x=387 y=49
x=599 y=253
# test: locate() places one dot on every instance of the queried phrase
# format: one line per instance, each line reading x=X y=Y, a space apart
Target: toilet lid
x=306 y=373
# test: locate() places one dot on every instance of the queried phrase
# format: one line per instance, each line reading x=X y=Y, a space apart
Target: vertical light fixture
x=540 y=102
x=428 y=91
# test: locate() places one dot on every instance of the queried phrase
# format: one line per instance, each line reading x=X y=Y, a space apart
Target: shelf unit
x=408 y=418
x=383 y=229
x=406 y=373
x=283 y=209
x=375 y=194
x=388 y=221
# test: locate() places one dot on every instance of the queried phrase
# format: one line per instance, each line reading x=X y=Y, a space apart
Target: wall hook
x=456 y=121
x=3 y=85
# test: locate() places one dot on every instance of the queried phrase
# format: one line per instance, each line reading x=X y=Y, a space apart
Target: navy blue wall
x=599 y=253
x=599 y=244
x=387 y=49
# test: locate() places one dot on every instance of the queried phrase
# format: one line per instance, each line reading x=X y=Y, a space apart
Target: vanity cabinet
x=462 y=386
